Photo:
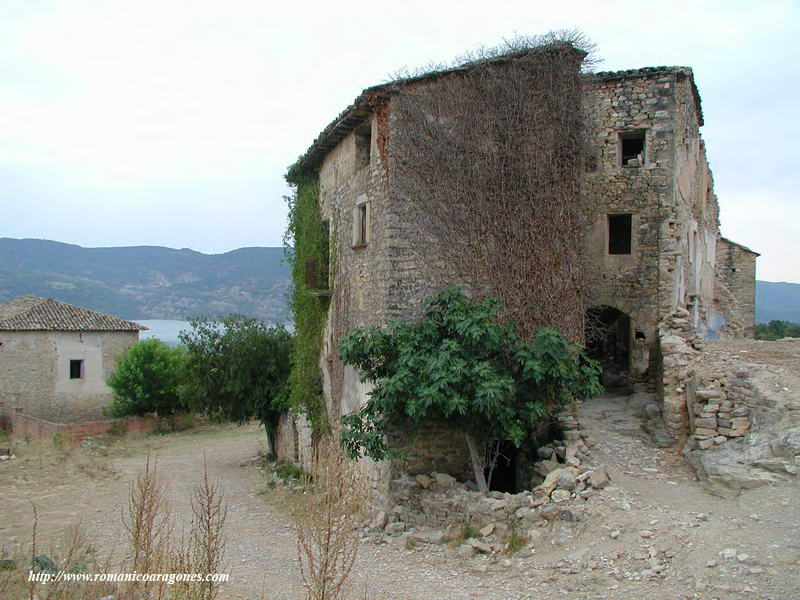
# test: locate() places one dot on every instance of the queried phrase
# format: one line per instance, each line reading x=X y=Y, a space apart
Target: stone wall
x=735 y=291
x=34 y=372
x=667 y=190
x=24 y=426
x=615 y=104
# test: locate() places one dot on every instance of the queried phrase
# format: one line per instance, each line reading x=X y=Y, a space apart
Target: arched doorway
x=608 y=341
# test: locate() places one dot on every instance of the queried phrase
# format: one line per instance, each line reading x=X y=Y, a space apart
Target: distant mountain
x=148 y=282
x=777 y=301
x=152 y=282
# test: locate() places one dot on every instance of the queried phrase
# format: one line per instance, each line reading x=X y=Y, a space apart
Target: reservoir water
x=165 y=330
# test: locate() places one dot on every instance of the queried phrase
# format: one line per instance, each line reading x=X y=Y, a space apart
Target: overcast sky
x=167 y=122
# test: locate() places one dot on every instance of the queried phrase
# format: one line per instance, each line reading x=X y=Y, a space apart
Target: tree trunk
x=477 y=459
x=273 y=455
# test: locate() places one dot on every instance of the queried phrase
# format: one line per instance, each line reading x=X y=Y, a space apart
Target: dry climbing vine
x=492 y=157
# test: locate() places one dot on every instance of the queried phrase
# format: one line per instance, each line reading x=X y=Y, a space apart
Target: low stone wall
x=26 y=426
x=718 y=410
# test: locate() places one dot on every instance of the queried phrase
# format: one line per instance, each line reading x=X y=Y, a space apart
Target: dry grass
x=152 y=548
x=327 y=521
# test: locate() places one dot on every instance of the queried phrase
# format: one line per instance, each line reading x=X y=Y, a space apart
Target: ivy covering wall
x=308 y=252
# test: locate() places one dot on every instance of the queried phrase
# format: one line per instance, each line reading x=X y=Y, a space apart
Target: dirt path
x=651 y=490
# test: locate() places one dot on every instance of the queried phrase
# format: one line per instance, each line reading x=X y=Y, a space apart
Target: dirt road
x=651 y=490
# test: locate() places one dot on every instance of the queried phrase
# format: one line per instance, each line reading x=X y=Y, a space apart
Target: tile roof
x=29 y=313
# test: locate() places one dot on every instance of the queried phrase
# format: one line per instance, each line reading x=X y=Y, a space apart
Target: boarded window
x=76 y=369
x=631 y=145
x=619 y=234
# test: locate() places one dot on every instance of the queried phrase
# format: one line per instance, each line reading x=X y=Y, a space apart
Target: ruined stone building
x=652 y=237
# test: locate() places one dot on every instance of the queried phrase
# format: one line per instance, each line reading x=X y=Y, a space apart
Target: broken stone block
x=560 y=496
x=599 y=479
x=466 y=551
x=706 y=444
x=552 y=479
x=428 y=537
x=708 y=423
x=424 y=481
x=480 y=546
x=453 y=532
x=702 y=431
x=487 y=531
x=566 y=481
x=444 y=479
x=395 y=528
x=380 y=521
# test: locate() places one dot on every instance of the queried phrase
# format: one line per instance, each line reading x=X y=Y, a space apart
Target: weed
x=411 y=544
x=515 y=544
x=289 y=471
x=327 y=520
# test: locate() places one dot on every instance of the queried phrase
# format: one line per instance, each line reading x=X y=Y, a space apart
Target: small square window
x=361 y=222
x=76 y=369
x=620 y=232
x=631 y=148
x=363 y=145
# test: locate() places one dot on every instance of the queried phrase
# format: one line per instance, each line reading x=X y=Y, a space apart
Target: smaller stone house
x=55 y=358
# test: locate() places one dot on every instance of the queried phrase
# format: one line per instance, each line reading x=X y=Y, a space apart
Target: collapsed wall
x=733 y=404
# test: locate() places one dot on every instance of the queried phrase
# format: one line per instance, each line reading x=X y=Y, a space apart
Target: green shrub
x=147 y=380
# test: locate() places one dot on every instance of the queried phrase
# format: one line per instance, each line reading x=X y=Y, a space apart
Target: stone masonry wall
x=668 y=191
x=35 y=372
x=615 y=104
x=735 y=292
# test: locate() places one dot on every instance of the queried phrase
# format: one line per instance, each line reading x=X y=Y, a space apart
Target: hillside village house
x=653 y=240
x=55 y=358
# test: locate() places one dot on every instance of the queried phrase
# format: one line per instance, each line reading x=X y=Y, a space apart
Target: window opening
x=361 y=217
x=632 y=148
x=76 y=369
x=619 y=234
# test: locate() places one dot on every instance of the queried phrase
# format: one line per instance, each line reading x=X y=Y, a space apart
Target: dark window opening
x=619 y=234
x=363 y=145
x=361 y=216
x=640 y=336
x=632 y=148
x=76 y=369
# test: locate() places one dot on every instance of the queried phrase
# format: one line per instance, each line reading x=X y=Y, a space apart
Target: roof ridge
x=34 y=313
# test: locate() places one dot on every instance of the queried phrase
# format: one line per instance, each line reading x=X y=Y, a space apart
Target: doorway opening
x=608 y=341
x=504 y=473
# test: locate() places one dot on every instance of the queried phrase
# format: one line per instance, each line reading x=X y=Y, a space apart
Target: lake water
x=165 y=330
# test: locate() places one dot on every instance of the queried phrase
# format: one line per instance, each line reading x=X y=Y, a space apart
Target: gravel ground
x=698 y=546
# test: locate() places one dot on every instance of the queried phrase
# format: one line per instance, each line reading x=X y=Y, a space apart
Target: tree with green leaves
x=461 y=366
x=237 y=368
x=776 y=329
x=147 y=380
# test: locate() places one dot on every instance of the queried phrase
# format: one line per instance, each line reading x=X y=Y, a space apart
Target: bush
x=461 y=366
x=147 y=380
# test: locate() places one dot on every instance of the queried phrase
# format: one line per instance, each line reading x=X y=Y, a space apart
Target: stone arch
x=610 y=335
